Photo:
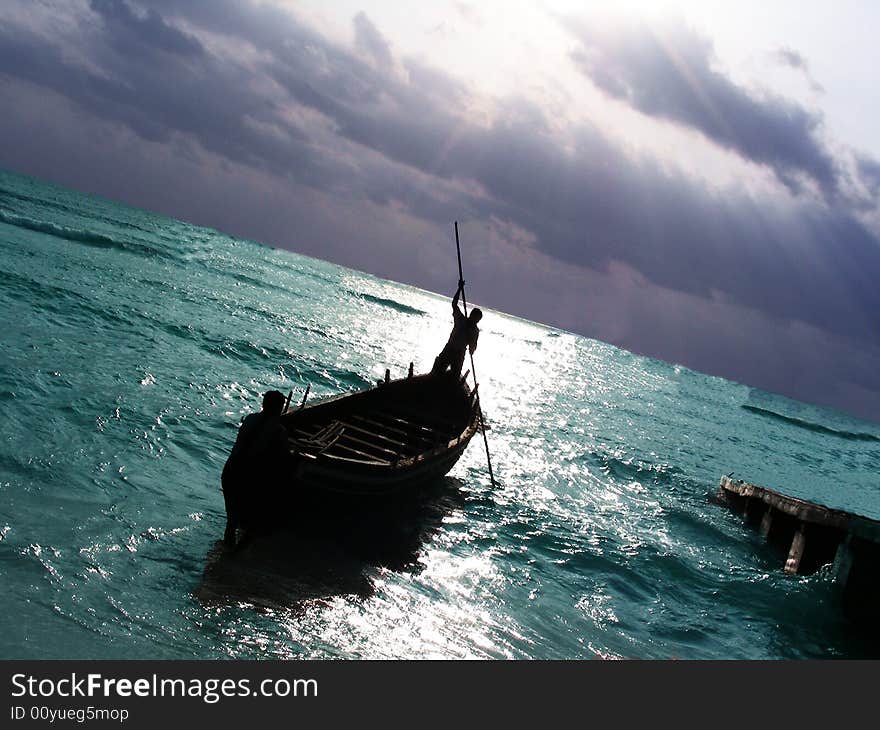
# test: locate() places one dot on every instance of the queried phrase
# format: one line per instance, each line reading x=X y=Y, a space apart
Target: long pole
x=473 y=369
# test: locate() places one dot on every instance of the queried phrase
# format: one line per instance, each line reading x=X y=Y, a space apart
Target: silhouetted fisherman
x=464 y=335
x=253 y=461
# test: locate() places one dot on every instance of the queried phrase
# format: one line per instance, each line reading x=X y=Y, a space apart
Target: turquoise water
x=133 y=346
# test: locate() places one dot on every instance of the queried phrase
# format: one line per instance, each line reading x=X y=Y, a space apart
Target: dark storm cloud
x=160 y=83
x=869 y=171
x=594 y=205
x=668 y=71
x=586 y=206
x=254 y=86
x=148 y=29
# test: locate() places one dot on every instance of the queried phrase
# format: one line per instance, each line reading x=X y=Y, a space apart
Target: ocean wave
x=227 y=269
x=301 y=269
x=63 y=301
x=44 y=202
x=631 y=469
x=391 y=303
x=89 y=238
x=314 y=331
x=811 y=426
x=77 y=210
x=339 y=379
x=243 y=350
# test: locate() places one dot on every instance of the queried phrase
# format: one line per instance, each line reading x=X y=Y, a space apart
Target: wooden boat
x=396 y=437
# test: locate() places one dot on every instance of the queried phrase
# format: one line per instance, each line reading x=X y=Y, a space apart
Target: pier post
x=796 y=552
x=767 y=522
x=843 y=561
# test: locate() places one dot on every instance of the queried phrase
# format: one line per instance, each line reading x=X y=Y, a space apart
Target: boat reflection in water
x=321 y=551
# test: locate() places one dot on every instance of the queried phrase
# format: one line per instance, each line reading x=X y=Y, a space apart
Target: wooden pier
x=814 y=535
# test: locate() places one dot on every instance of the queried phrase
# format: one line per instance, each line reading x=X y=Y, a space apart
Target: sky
x=694 y=181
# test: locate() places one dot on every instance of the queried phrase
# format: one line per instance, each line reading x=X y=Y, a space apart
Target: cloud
x=869 y=172
x=369 y=40
x=214 y=99
x=667 y=71
x=791 y=58
x=567 y=226
x=149 y=30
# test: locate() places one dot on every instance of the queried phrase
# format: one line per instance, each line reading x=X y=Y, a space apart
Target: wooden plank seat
x=423 y=419
x=320 y=439
x=386 y=425
x=394 y=423
x=414 y=428
x=349 y=439
x=396 y=439
x=338 y=446
x=394 y=442
x=409 y=418
x=332 y=438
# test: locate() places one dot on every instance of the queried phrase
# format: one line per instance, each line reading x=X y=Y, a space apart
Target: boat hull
x=389 y=440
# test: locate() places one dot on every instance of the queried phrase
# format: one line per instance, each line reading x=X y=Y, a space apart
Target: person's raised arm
x=457 y=295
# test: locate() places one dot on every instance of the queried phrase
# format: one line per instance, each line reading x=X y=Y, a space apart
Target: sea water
x=132 y=347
